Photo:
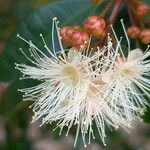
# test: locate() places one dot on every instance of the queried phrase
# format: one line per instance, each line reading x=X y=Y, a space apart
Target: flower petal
x=134 y=54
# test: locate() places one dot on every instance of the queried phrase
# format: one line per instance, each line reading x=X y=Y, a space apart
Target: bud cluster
x=135 y=32
x=72 y=36
x=138 y=8
x=77 y=36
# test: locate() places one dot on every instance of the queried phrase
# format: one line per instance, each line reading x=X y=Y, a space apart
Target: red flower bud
x=95 y=25
x=145 y=36
x=66 y=33
x=133 y=32
x=73 y=37
x=142 y=10
x=79 y=38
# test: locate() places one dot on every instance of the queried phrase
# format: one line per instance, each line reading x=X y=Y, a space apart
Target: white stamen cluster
x=80 y=89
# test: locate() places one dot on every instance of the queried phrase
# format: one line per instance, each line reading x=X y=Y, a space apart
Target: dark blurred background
x=16 y=131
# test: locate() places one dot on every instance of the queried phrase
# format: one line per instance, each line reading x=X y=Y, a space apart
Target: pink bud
x=79 y=38
x=66 y=34
x=95 y=25
x=145 y=36
x=133 y=32
x=142 y=10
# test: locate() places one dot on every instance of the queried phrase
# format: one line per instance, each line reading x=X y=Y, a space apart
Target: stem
x=131 y=7
x=132 y=21
x=141 y=23
x=106 y=9
x=115 y=12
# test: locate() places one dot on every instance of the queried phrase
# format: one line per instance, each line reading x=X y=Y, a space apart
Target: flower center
x=129 y=73
x=126 y=69
x=70 y=75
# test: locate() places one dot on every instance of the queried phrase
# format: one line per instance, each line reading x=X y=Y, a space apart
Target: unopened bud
x=66 y=33
x=95 y=25
x=142 y=10
x=145 y=36
x=133 y=32
x=79 y=39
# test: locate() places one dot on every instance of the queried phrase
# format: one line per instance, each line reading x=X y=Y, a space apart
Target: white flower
x=97 y=110
x=128 y=79
x=77 y=89
x=69 y=92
